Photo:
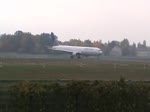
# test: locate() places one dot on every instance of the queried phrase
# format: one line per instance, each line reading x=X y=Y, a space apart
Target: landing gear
x=78 y=56
x=71 y=56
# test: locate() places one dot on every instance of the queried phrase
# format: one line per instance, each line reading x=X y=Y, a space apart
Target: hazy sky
x=81 y=19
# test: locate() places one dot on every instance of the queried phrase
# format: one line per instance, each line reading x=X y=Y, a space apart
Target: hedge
x=80 y=96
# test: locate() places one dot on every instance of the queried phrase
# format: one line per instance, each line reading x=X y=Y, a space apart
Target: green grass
x=66 y=69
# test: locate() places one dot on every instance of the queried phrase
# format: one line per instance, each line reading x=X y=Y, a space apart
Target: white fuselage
x=74 y=50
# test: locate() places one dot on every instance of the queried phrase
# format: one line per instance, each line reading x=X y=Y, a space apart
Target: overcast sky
x=81 y=19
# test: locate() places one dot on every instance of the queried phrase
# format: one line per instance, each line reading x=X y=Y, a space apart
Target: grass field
x=67 y=69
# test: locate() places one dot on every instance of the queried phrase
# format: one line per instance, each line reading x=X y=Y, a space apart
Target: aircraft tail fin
x=54 y=39
x=55 y=42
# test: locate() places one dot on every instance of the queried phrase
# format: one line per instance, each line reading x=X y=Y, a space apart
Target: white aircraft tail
x=56 y=43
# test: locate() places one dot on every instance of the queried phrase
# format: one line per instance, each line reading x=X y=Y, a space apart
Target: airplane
x=77 y=51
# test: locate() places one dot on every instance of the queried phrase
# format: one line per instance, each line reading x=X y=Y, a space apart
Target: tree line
x=25 y=42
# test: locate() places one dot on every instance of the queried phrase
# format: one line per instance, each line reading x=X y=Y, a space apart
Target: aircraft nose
x=100 y=52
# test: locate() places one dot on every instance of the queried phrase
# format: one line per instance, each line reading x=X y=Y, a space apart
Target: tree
x=97 y=44
x=30 y=45
x=88 y=43
x=144 y=43
x=17 y=39
x=45 y=39
x=125 y=47
x=113 y=44
x=74 y=42
x=133 y=50
x=107 y=47
x=142 y=46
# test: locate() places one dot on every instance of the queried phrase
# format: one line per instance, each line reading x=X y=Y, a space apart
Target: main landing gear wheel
x=71 y=57
x=78 y=56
